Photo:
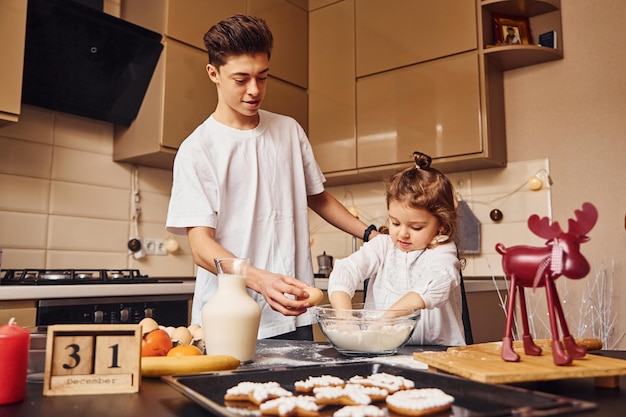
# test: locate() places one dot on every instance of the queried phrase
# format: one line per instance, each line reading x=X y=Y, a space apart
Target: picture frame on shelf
x=511 y=30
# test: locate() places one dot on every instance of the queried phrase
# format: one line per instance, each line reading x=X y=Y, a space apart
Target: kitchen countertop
x=156 y=398
x=167 y=286
x=471 y=285
x=40 y=292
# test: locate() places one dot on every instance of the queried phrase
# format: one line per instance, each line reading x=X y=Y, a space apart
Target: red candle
x=14 y=344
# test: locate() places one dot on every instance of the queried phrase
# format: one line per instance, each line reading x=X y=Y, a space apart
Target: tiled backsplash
x=64 y=203
x=484 y=190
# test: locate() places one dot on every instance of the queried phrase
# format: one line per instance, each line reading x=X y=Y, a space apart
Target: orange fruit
x=184 y=350
x=156 y=343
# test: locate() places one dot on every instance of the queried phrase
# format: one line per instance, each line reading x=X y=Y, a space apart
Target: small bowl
x=365 y=332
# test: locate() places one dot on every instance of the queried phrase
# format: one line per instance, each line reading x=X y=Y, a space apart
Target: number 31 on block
x=92 y=359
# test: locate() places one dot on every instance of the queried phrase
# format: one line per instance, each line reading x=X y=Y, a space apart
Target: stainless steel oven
x=170 y=309
x=140 y=296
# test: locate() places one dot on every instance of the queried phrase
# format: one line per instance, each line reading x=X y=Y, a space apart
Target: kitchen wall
x=572 y=112
x=65 y=203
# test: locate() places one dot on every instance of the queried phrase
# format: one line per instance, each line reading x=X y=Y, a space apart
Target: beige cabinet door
x=190 y=96
x=184 y=20
x=180 y=96
x=12 y=36
x=432 y=107
x=290 y=28
x=188 y=20
x=393 y=34
x=332 y=117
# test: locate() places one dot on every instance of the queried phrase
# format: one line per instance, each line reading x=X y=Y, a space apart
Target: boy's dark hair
x=421 y=186
x=238 y=35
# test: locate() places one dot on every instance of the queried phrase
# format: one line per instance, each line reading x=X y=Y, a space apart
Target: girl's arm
x=408 y=301
x=440 y=275
x=341 y=300
x=349 y=272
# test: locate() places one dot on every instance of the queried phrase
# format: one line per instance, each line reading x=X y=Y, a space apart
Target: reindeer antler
x=542 y=227
x=585 y=220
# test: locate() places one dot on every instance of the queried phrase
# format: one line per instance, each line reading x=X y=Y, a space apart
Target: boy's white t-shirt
x=252 y=187
x=434 y=274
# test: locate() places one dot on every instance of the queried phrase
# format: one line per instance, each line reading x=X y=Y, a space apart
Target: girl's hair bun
x=422 y=161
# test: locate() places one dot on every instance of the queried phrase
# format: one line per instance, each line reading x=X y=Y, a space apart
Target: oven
x=93 y=296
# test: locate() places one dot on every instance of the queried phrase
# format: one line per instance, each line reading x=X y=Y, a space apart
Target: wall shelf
x=527 y=8
x=509 y=57
x=543 y=16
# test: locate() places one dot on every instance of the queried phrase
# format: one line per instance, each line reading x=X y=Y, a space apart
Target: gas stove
x=72 y=276
x=118 y=306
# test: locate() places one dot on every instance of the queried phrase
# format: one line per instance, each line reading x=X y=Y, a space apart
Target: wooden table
x=158 y=399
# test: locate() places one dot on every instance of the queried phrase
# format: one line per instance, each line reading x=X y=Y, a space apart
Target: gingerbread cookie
x=419 y=402
x=391 y=383
x=264 y=393
x=312 y=382
x=297 y=406
x=348 y=395
x=360 y=411
x=376 y=394
x=255 y=392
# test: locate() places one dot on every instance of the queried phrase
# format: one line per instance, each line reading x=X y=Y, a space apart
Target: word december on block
x=92 y=359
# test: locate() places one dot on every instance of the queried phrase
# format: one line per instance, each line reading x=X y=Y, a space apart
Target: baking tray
x=472 y=399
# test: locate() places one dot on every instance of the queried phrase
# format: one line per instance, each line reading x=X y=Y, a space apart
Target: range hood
x=85 y=62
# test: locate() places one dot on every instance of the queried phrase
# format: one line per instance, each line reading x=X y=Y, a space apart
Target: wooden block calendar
x=92 y=359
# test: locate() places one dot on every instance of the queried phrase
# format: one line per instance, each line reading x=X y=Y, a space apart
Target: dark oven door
x=167 y=310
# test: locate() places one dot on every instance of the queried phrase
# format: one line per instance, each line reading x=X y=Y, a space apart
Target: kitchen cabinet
x=332 y=97
x=12 y=39
x=184 y=20
x=426 y=77
x=437 y=112
x=23 y=311
x=543 y=16
x=391 y=35
x=410 y=92
x=179 y=97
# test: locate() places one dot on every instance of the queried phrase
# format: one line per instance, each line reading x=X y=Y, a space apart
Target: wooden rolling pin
x=590 y=344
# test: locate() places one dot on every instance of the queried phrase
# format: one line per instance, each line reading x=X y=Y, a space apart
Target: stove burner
x=71 y=276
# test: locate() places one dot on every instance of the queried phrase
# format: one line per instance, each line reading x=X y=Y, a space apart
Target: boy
x=242 y=183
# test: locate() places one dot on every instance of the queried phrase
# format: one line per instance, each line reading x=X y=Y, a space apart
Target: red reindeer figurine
x=528 y=266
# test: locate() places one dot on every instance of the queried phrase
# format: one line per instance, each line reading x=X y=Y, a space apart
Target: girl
x=416 y=264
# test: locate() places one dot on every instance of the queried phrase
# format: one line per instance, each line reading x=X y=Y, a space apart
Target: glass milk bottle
x=230 y=319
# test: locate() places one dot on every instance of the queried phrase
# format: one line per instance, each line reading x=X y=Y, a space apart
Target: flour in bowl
x=370 y=340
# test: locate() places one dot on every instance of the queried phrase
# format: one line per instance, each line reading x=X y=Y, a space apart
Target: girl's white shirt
x=252 y=187
x=434 y=274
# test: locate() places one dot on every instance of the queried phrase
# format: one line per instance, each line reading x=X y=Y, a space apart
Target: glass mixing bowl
x=366 y=332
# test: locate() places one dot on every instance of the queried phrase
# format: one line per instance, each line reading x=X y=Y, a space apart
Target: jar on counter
x=231 y=318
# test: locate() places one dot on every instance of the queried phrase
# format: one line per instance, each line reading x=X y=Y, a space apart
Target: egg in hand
x=315 y=295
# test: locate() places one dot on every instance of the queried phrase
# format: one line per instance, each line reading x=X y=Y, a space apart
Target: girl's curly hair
x=421 y=186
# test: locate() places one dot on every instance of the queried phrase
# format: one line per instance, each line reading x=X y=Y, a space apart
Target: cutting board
x=482 y=362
